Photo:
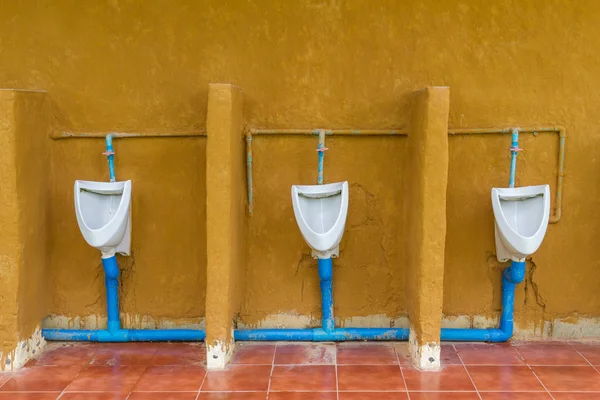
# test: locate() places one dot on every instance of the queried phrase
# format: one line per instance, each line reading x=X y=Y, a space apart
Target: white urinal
x=103 y=215
x=521 y=216
x=321 y=212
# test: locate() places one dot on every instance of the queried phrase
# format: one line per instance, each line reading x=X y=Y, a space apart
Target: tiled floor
x=284 y=371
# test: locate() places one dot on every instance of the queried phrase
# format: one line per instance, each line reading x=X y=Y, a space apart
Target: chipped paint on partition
x=218 y=354
x=23 y=352
x=129 y=321
x=425 y=357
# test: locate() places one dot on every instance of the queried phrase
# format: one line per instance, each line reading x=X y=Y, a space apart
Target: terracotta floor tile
x=513 y=378
x=443 y=395
x=303 y=377
x=372 y=353
x=238 y=378
x=179 y=354
x=575 y=396
x=515 y=395
x=162 y=396
x=449 y=356
x=233 y=396
x=370 y=377
x=4 y=376
x=66 y=354
x=488 y=354
x=569 y=378
x=107 y=379
x=121 y=354
x=305 y=353
x=173 y=378
x=93 y=396
x=29 y=396
x=372 y=396
x=402 y=353
x=41 y=379
x=550 y=354
x=452 y=377
x=591 y=351
x=302 y=396
x=253 y=353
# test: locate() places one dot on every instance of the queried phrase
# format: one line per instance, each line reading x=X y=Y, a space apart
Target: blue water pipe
x=514 y=150
x=511 y=276
x=114 y=332
x=110 y=154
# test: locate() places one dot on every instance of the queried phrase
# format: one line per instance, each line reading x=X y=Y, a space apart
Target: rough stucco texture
x=24 y=123
x=426 y=212
x=138 y=65
x=225 y=207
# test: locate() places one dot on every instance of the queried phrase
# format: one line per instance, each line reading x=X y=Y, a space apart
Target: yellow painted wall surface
x=32 y=118
x=9 y=236
x=24 y=133
x=145 y=65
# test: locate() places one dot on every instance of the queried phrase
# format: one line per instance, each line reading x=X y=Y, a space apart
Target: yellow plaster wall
x=24 y=155
x=144 y=66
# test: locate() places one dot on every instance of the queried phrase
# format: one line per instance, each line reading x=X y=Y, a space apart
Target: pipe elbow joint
x=501 y=335
x=516 y=272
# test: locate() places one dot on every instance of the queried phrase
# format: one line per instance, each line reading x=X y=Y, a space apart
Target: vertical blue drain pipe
x=326 y=277
x=110 y=154
x=111 y=280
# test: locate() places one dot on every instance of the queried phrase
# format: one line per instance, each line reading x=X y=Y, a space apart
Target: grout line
x=467 y=371
x=11 y=374
x=337 y=381
x=272 y=368
x=533 y=372
x=401 y=372
x=83 y=368
x=202 y=383
x=588 y=361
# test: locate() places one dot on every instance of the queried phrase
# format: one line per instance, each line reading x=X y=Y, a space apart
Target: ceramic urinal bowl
x=521 y=216
x=103 y=215
x=321 y=212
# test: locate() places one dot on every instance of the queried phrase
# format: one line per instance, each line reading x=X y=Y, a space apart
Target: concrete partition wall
x=426 y=218
x=24 y=159
x=225 y=219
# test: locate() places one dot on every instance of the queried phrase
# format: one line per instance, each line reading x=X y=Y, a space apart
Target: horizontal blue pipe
x=320 y=335
x=125 y=335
